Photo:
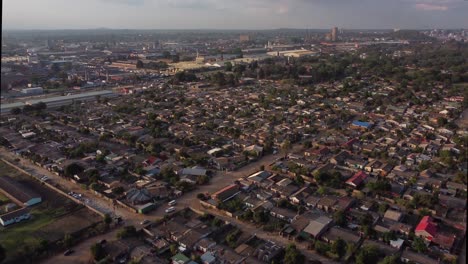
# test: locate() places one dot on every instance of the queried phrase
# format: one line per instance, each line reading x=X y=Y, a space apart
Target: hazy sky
x=233 y=14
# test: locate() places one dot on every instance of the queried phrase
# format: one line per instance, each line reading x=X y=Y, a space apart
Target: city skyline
x=219 y=14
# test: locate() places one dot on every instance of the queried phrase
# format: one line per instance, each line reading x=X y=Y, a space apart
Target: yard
x=50 y=220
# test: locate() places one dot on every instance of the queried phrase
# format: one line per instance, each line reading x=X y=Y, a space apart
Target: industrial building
x=32 y=90
x=18 y=192
x=293 y=53
x=14 y=217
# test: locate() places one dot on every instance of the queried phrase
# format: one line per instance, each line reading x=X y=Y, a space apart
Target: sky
x=234 y=14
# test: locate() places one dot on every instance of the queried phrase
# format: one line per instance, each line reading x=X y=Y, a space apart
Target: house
x=343 y=203
x=327 y=203
x=300 y=196
x=393 y=215
x=361 y=125
x=208 y=258
x=337 y=232
x=267 y=251
x=226 y=193
x=312 y=201
x=15 y=216
x=205 y=244
x=18 y=192
x=357 y=179
x=316 y=227
x=283 y=214
x=180 y=258
x=445 y=241
x=426 y=228
x=189 y=239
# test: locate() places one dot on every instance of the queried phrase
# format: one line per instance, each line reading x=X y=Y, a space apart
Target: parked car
x=172 y=203
x=68 y=252
x=144 y=222
x=170 y=210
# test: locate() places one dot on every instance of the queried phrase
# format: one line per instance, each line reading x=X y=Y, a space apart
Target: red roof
x=427 y=225
x=357 y=178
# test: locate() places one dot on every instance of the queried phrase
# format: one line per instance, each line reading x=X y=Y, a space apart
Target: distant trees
x=228 y=66
x=139 y=64
x=15 y=111
x=72 y=169
x=183 y=76
x=35 y=108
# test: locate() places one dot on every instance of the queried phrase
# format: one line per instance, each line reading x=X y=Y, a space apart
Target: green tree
x=368 y=255
x=419 y=245
x=107 y=219
x=128 y=231
x=261 y=217
x=390 y=260
x=97 y=251
x=173 y=249
x=321 y=247
x=67 y=240
x=339 y=247
x=286 y=147
x=292 y=255
x=340 y=218
x=72 y=169
x=228 y=66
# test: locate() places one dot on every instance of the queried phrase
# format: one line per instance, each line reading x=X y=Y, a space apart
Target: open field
x=50 y=220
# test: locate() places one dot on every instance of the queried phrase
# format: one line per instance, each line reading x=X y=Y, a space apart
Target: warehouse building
x=18 y=192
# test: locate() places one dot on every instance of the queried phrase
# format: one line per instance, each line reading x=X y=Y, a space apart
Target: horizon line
x=227 y=29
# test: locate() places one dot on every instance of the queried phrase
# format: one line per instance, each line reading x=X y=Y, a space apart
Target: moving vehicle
x=172 y=203
x=144 y=222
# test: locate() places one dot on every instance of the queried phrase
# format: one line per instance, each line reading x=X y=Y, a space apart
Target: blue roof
x=361 y=124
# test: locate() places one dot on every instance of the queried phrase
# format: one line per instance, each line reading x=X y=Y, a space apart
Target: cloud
x=435 y=5
x=126 y=2
x=431 y=7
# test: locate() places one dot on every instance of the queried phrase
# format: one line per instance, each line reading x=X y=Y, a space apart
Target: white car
x=170 y=210
x=172 y=203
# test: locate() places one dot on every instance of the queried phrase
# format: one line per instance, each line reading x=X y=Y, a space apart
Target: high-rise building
x=334 y=34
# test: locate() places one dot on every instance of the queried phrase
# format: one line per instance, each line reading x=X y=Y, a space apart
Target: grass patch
x=3 y=198
x=23 y=233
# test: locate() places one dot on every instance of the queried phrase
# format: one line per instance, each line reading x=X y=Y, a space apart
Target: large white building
x=32 y=90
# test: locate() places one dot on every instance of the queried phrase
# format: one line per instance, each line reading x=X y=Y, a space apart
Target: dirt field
x=51 y=219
